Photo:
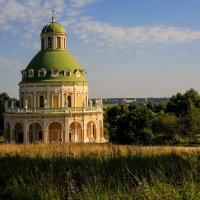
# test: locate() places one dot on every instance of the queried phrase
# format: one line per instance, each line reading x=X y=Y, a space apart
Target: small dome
x=53 y=27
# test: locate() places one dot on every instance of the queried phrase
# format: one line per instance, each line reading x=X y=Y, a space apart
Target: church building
x=53 y=98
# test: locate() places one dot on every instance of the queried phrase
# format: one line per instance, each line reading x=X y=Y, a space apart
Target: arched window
x=30 y=73
x=77 y=72
x=58 y=42
x=54 y=72
x=49 y=42
x=69 y=99
x=67 y=72
x=41 y=72
x=41 y=102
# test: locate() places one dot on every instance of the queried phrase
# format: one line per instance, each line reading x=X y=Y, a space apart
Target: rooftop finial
x=53 y=17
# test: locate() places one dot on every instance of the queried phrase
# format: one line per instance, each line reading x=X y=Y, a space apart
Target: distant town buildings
x=132 y=100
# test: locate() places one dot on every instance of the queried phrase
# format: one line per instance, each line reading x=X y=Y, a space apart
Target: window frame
x=49 y=42
x=43 y=71
x=67 y=71
x=30 y=73
x=53 y=74
x=77 y=73
x=58 y=42
x=24 y=73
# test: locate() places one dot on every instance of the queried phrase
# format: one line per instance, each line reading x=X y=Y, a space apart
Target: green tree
x=182 y=104
x=150 y=105
x=113 y=114
x=166 y=127
x=191 y=124
x=135 y=127
x=160 y=107
x=3 y=97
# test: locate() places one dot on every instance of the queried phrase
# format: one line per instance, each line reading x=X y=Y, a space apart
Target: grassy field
x=58 y=171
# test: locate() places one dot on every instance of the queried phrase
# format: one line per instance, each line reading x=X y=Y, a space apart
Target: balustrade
x=54 y=110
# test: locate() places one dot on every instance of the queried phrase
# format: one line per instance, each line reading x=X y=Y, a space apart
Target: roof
x=53 y=27
x=55 y=59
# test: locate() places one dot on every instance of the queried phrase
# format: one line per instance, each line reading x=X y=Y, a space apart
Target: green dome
x=53 y=27
x=50 y=60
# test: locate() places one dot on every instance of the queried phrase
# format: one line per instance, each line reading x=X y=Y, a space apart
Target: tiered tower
x=53 y=97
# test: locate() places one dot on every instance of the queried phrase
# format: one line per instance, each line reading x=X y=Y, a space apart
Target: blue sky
x=130 y=48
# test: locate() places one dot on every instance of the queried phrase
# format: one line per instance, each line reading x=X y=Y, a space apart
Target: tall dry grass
x=98 y=171
x=49 y=150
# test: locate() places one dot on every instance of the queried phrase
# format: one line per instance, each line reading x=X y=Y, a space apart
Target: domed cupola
x=53 y=36
x=54 y=28
x=53 y=62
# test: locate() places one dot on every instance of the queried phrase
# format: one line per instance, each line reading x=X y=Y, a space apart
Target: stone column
x=97 y=131
x=66 y=131
x=48 y=99
x=102 y=131
x=34 y=133
x=62 y=134
x=75 y=132
x=84 y=131
x=24 y=97
x=11 y=133
x=83 y=99
x=44 y=132
x=61 y=99
x=74 y=96
x=25 y=133
x=34 y=95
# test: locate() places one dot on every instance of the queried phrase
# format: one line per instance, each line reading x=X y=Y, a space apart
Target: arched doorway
x=91 y=131
x=35 y=132
x=18 y=135
x=75 y=132
x=7 y=132
x=55 y=132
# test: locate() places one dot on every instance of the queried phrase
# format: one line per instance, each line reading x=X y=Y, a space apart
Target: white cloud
x=26 y=17
x=116 y=35
x=76 y=7
x=80 y=3
x=8 y=63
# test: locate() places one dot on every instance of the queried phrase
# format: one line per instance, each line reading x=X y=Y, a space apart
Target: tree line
x=174 y=122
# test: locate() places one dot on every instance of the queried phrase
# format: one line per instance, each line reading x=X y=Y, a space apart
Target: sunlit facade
x=53 y=98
